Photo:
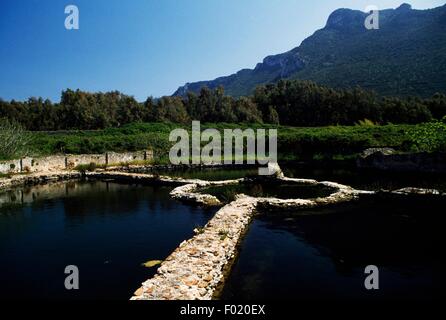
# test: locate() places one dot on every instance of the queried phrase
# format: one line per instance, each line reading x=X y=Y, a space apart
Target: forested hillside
x=405 y=56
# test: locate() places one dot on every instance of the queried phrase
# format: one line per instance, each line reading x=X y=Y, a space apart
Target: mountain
x=405 y=56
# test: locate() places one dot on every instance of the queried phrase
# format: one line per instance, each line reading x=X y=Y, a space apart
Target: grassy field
x=333 y=142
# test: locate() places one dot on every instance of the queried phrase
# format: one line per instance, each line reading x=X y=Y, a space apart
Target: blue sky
x=148 y=47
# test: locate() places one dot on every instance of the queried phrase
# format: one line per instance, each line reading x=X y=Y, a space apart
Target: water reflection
x=106 y=229
x=324 y=256
x=212 y=174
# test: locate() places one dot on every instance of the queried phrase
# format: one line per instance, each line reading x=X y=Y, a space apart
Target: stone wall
x=50 y=163
x=117 y=158
x=62 y=162
x=12 y=166
x=72 y=161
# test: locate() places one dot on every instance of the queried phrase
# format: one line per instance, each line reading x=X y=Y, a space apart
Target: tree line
x=288 y=102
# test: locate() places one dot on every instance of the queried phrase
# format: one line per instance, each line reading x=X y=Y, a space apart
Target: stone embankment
x=196 y=269
x=341 y=193
x=38 y=178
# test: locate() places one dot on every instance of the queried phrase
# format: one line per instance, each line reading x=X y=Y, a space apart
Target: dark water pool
x=104 y=228
x=268 y=189
x=367 y=179
x=314 y=257
x=211 y=174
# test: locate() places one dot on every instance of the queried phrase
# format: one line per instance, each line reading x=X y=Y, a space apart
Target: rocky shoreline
x=38 y=178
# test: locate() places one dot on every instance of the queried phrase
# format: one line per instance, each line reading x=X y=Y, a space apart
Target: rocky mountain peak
x=404 y=7
x=345 y=18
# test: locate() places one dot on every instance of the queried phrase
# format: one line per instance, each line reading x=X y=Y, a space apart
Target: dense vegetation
x=290 y=103
x=298 y=103
x=321 y=143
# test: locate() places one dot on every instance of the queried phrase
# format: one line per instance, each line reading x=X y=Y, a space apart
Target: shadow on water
x=106 y=229
x=271 y=188
x=212 y=174
x=311 y=257
x=366 y=179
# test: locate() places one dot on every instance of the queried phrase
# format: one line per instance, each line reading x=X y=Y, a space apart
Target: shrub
x=366 y=123
x=14 y=140
x=86 y=167
x=429 y=137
